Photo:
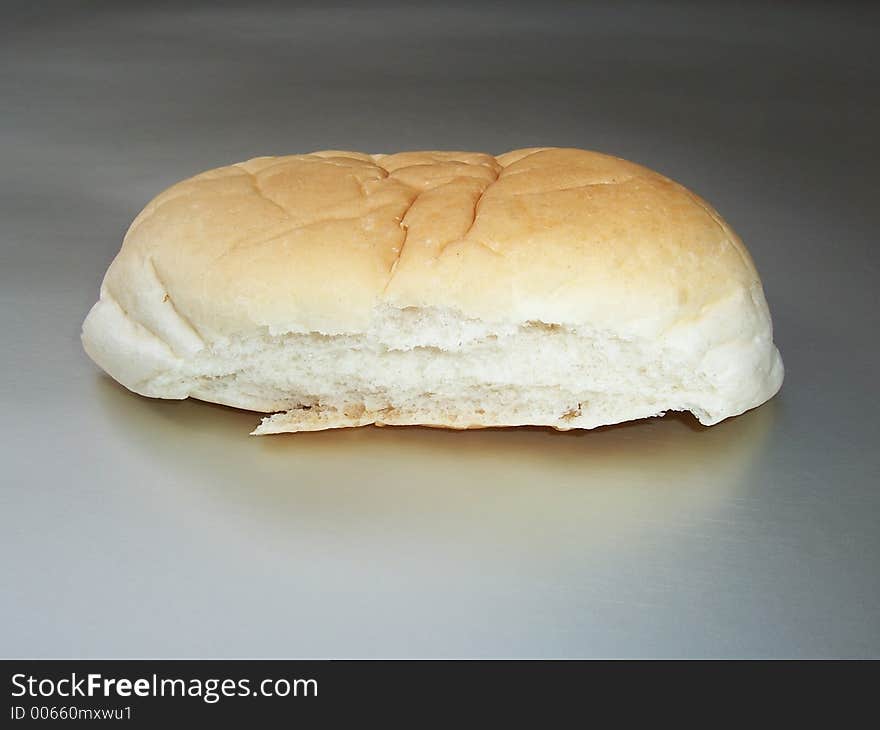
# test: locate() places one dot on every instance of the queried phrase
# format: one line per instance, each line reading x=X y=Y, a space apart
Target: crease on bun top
x=322 y=242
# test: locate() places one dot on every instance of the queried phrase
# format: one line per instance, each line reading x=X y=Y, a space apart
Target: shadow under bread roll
x=574 y=493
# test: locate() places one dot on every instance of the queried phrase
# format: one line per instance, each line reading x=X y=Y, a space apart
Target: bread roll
x=545 y=286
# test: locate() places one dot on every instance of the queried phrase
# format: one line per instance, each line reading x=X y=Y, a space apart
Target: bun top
x=315 y=242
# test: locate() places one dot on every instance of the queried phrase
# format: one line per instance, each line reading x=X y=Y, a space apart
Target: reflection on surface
x=538 y=483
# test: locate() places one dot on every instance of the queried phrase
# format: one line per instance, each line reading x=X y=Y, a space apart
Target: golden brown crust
x=540 y=234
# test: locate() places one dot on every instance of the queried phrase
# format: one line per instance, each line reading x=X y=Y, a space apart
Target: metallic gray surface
x=131 y=527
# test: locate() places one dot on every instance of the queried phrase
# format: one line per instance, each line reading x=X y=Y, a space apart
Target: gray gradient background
x=131 y=527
